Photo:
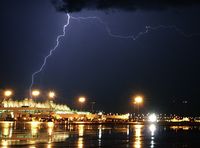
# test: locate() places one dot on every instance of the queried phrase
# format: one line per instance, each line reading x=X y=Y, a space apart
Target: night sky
x=163 y=65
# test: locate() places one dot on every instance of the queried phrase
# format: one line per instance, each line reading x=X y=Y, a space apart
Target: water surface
x=35 y=134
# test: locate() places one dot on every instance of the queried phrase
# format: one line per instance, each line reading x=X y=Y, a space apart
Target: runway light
x=152 y=117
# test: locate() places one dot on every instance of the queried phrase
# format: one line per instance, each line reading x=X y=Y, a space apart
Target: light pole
x=81 y=101
x=7 y=94
x=51 y=95
x=93 y=103
x=35 y=93
x=137 y=101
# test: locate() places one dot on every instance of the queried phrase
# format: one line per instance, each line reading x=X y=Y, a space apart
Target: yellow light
x=81 y=99
x=7 y=93
x=4 y=143
x=52 y=94
x=138 y=137
x=35 y=124
x=138 y=100
x=80 y=142
x=6 y=132
x=50 y=124
x=80 y=130
x=50 y=131
x=35 y=93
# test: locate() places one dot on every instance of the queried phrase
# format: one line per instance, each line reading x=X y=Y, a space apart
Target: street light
x=81 y=100
x=52 y=94
x=51 y=97
x=35 y=93
x=93 y=103
x=138 y=100
x=8 y=93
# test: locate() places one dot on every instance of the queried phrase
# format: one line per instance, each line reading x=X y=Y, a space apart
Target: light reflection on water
x=136 y=136
x=152 y=128
x=29 y=133
x=80 y=134
x=181 y=128
x=99 y=135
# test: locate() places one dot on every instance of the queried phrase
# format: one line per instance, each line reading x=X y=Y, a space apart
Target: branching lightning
x=108 y=30
x=135 y=37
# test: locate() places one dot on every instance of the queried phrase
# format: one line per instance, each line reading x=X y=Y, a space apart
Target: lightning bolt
x=108 y=30
x=49 y=55
x=135 y=37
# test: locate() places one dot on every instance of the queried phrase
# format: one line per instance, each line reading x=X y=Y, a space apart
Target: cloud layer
x=127 y=5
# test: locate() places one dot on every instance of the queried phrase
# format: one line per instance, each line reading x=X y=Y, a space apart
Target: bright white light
x=51 y=94
x=100 y=113
x=152 y=118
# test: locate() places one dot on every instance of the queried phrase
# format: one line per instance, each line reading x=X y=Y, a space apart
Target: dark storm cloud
x=127 y=5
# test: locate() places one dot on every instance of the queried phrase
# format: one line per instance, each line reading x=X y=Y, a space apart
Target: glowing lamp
x=7 y=93
x=52 y=94
x=35 y=93
x=138 y=100
x=152 y=118
x=81 y=99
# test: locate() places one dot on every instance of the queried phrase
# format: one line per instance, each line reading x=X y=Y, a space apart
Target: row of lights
x=34 y=93
x=51 y=94
x=137 y=100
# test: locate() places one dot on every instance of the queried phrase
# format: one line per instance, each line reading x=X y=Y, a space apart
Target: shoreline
x=113 y=123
